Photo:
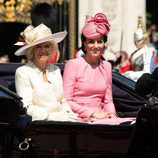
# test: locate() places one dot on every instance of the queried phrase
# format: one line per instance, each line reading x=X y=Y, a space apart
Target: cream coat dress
x=43 y=100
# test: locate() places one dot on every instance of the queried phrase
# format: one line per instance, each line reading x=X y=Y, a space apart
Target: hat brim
x=56 y=38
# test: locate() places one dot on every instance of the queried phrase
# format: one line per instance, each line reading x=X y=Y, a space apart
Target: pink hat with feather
x=96 y=27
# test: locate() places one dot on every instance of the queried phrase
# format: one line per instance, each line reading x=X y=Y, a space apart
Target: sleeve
x=108 y=104
x=69 y=79
x=149 y=60
x=25 y=90
x=144 y=85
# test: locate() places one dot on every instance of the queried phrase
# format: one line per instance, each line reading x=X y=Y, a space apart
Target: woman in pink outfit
x=88 y=79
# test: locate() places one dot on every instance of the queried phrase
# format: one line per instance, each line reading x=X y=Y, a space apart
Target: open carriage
x=21 y=137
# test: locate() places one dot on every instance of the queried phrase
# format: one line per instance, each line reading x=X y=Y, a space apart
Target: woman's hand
x=66 y=107
x=62 y=116
x=72 y=117
x=112 y=115
x=103 y=115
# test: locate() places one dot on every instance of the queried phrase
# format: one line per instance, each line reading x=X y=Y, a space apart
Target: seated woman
x=39 y=83
x=88 y=79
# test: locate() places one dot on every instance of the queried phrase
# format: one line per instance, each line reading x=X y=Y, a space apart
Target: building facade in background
x=71 y=16
x=122 y=15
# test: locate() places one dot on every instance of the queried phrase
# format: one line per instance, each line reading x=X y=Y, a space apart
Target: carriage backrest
x=127 y=102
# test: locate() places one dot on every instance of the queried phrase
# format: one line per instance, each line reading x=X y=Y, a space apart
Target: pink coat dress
x=89 y=89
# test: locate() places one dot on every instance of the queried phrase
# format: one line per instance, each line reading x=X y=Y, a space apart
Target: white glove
x=65 y=106
x=133 y=75
x=72 y=117
x=70 y=114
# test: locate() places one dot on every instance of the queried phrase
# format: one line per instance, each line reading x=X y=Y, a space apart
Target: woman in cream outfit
x=39 y=83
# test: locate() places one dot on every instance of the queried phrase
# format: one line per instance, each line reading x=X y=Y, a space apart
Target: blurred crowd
x=143 y=59
x=4 y=58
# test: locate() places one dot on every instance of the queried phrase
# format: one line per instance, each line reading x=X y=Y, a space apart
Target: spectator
x=144 y=59
x=122 y=63
x=4 y=58
x=153 y=36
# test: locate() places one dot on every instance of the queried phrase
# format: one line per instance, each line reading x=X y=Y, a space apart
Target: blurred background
x=71 y=15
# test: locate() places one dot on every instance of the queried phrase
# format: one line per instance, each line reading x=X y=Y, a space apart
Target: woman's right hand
x=72 y=116
x=63 y=116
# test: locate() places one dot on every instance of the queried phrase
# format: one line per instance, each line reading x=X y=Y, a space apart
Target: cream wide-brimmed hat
x=32 y=36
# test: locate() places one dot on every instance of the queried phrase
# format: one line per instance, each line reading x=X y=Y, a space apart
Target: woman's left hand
x=103 y=115
x=111 y=115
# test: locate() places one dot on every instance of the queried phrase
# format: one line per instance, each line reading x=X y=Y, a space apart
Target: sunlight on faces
x=140 y=43
x=30 y=51
x=43 y=51
x=95 y=47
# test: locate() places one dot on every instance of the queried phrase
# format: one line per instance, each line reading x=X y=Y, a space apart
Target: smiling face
x=94 y=48
x=42 y=53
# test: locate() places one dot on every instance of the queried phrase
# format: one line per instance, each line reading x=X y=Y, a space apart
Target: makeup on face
x=44 y=47
x=95 y=45
x=95 y=42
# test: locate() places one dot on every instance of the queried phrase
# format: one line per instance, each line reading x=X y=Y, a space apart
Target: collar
x=30 y=63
